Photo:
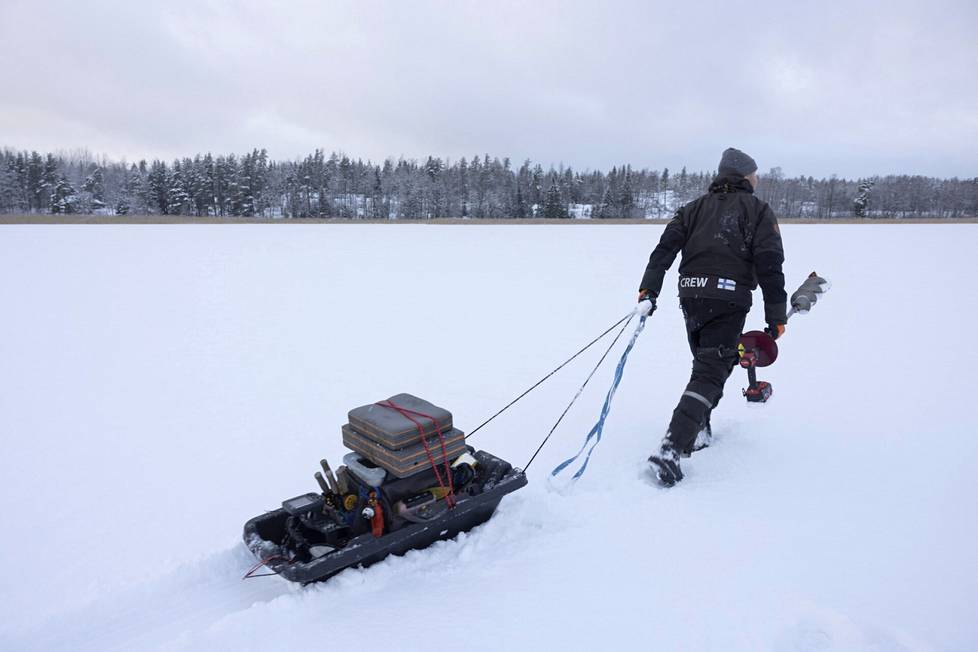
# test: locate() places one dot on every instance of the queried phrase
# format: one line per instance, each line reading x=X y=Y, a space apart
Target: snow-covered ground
x=162 y=384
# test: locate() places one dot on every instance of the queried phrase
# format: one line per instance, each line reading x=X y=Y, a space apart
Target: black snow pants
x=713 y=327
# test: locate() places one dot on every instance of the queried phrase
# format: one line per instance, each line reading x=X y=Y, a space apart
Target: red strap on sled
x=377 y=522
x=251 y=571
x=407 y=414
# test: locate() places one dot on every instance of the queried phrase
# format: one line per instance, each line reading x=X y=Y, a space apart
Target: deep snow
x=162 y=384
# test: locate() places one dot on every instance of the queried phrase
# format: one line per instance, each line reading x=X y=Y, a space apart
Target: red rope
x=406 y=413
x=264 y=561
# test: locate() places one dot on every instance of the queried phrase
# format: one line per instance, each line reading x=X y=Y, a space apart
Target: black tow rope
x=579 y=391
x=545 y=378
x=623 y=322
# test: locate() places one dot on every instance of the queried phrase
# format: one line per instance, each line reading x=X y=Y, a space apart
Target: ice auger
x=758 y=349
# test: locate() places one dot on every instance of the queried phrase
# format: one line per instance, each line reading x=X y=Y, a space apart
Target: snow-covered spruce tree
x=49 y=179
x=377 y=197
x=143 y=193
x=861 y=203
x=506 y=188
x=158 y=188
x=22 y=175
x=179 y=196
x=123 y=205
x=497 y=203
x=8 y=186
x=610 y=200
x=462 y=187
x=524 y=179
x=260 y=182
x=343 y=183
x=626 y=199
x=473 y=195
x=388 y=182
x=311 y=187
x=520 y=210
x=130 y=195
x=488 y=206
x=36 y=197
x=972 y=199
x=314 y=186
x=410 y=199
x=202 y=171
x=604 y=208
x=431 y=196
x=222 y=186
x=554 y=207
x=235 y=193
x=93 y=188
x=326 y=198
x=245 y=205
x=62 y=197
x=537 y=192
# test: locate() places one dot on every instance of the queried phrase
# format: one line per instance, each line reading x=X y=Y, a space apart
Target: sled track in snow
x=154 y=615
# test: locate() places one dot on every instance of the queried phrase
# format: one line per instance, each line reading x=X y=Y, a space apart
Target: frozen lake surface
x=162 y=384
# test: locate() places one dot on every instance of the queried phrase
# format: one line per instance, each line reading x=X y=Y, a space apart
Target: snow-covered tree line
x=337 y=185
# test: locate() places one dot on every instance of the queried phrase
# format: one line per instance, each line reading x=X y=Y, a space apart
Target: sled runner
x=383 y=500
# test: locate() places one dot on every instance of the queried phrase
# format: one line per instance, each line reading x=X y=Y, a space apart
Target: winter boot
x=665 y=463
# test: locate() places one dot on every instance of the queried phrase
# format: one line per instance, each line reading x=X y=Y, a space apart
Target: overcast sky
x=817 y=88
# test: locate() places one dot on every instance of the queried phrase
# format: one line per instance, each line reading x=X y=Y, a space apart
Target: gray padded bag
x=392 y=429
x=405 y=462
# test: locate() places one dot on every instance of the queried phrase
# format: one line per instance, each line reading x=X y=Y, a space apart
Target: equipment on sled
x=411 y=480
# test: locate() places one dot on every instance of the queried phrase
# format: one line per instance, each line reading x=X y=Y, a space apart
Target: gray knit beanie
x=735 y=161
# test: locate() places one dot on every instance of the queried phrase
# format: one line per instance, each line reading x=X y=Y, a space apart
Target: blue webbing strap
x=605 y=409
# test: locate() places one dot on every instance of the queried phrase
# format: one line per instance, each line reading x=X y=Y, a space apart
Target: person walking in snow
x=730 y=243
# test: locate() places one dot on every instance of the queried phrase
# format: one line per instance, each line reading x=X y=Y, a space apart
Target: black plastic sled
x=315 y=536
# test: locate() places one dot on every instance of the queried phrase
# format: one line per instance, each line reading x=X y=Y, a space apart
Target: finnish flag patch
x=726 y=284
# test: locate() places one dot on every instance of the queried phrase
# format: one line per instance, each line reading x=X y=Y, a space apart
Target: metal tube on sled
x=322 y=484
x=328 y=472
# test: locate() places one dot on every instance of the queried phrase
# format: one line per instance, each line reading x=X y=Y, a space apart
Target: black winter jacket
x=730 y=242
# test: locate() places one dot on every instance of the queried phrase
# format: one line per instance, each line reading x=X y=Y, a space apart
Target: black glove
x=775 y=330
x=646 y=295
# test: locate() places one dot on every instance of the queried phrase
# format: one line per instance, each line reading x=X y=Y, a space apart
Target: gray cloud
x=853 y=89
